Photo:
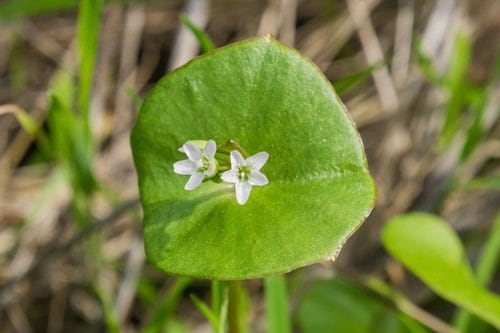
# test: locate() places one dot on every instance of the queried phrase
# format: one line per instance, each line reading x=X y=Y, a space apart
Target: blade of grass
x=13 y=9
x=277 y=316
x=406 y=306
x=206 y=312
x=18 y=70
x=62 y=125
x=87 y=44
x=478 y=98
x=491 y=182
x=29 y=125
x=205 y=42
x=456 y=83
x=425 y=64
x=70 y=147
x=175 y=326
x=110 y=316
x=223 y=310
x=134 y=96
x=165 y=307
x=475 y=132
x=146 y=291
x=347 y=83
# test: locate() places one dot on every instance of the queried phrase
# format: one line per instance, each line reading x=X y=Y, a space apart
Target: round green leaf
x=269 y=98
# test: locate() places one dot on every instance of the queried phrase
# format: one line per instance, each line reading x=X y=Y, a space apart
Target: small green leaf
x=269 y=98
x=430 y=249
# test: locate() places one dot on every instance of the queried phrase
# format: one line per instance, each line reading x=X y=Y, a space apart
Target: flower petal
x=258 y=160
x=192 y=151
x=185 y=167
x=230 y=176
x=236 y=159
x=242 y=192
x=195 y=180
x=210 y=149
x=257 y=178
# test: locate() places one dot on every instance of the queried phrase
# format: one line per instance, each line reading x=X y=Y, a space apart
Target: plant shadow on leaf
x=165 y=214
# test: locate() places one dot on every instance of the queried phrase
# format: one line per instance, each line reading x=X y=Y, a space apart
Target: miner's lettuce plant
x=248 y=165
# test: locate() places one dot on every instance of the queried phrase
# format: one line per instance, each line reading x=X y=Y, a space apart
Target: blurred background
x=419 y=78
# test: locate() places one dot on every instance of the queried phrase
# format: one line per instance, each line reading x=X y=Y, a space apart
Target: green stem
x=277 y=316
x=237 y=307
x=220 y=304
x=230 y=145
x=216 y=296
x=223 y=304
x=485 y=269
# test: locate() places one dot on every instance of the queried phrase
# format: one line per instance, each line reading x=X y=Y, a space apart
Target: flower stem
x=220 y=302
x=237 y=310
x=230 y=145
x=277 y=316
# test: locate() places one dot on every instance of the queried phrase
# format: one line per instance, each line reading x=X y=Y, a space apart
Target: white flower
x=200 y=163
x=245 y=173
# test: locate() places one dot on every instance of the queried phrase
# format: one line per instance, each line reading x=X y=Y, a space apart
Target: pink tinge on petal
x=257 y=178
x=236 y=159
x=192 y=151
x=185 y=167
x=195 y=180
x=258 y=160
x=242 y=192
